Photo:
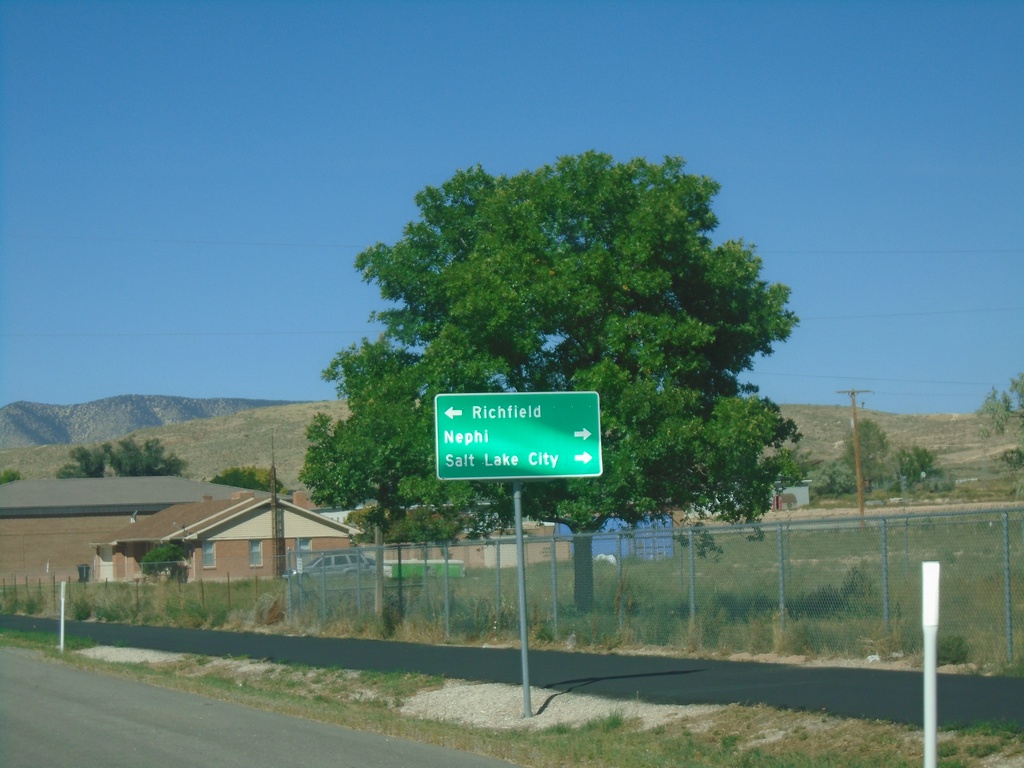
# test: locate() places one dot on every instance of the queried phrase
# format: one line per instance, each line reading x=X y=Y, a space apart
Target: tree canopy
x=256 y=478
x=583 y=275
x=126 y=459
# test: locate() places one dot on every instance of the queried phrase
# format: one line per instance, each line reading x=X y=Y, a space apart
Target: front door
x=106 y=553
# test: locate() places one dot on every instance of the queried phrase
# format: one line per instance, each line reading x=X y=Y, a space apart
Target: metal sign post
x=518 y=436
x=517 y=496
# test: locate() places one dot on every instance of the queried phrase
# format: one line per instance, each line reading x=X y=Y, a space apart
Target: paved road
x=56 y=715
x=867 y=694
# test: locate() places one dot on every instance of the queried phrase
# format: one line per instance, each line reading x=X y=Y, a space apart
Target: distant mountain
x=25 y=424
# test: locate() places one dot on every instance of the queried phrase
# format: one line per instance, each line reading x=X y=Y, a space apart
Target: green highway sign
x=518 y=435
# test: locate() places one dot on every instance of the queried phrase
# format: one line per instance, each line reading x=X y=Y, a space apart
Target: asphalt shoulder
x=895 y=696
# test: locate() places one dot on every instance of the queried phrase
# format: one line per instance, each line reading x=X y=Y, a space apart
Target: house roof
x=107 y=492
x=191 y=521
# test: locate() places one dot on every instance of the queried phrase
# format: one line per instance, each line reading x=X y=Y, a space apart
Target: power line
x=163 y=334
x=57 y=334
x=935 y=313
x=895 y=252
x=869 y=378
x=175 y=241
x=773 y=251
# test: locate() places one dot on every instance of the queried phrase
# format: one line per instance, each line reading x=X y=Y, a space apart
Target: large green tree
x=256 y=478
x=9 y=476
x=86 y=462
x=126 y=459
x=583 y=275
x=1004 y=412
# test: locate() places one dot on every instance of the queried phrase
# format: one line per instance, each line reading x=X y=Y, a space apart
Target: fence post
x=290 y=600
x=323 y=595
x=401 y=582
x=621 y=585
x=359 y=584
x=554 y=583
x=693 y=577
x=782 y=581
x=885 y=573
x=1006 y=587
x=447 y=593
x=906 y=545
x=497 y=583
x=425 y=598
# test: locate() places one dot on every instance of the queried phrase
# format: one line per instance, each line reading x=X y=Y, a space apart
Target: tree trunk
x=583 y=572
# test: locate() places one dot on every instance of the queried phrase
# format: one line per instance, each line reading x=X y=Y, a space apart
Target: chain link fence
x=838 y=587
x=835 y=587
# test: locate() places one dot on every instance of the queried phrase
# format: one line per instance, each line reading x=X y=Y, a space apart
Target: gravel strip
x=492 y=705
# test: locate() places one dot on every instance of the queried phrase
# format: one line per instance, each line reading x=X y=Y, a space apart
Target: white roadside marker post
x=930 y=625
x=63 y=592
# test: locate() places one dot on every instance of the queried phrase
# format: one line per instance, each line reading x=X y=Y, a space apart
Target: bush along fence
x=160 y=598
x=839 y=587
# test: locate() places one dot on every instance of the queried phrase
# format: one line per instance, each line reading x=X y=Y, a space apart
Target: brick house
x=223 y=538
x=47 y=527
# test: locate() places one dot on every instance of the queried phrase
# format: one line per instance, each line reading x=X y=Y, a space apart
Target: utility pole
x=856 y=446
x=276 y=516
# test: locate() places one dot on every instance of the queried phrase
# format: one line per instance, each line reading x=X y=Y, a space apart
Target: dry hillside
x=209 y=445
x=212 y=445
x=957 y=439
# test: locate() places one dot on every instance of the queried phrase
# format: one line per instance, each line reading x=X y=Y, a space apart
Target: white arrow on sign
x=584 y=457
x=452 y=412
x=584 y=433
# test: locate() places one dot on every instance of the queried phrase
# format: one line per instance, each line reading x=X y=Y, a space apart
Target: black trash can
x=83 y=573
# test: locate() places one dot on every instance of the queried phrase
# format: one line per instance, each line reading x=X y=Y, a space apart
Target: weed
x=953 y=649
x=81 y=606
x=616 y=721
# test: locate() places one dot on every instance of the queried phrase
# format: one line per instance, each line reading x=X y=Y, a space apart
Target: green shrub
x=81 y=606
x=32 y=604
x=167 y=558
x=953 y=649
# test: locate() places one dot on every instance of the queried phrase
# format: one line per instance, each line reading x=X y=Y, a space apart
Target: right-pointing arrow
x=584 y=433
x=583 y=457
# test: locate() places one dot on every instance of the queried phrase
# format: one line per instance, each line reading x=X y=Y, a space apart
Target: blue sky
x=184 y=186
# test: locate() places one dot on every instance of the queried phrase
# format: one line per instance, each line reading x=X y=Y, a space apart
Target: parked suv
x=339 y=564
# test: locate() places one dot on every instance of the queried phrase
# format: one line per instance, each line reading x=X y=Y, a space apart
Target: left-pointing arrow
x=452 y=412
x=583 y=457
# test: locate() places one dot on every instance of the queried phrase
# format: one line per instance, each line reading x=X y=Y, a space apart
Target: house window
x=255 y=553
x=209 y=554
